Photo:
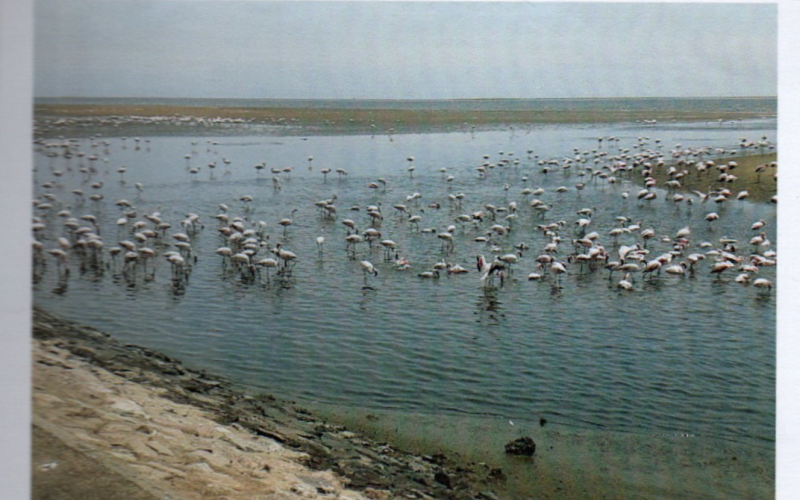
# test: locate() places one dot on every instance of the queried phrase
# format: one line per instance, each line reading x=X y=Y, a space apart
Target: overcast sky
x=423 y=50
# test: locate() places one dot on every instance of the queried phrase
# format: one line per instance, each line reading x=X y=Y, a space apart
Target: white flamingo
x=368 y=268
x=267 y=264
x=763 y=283
x=287 y=222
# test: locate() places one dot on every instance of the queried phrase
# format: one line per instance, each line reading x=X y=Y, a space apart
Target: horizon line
x=406 y=98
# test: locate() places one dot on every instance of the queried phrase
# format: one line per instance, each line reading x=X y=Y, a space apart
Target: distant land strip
x=399 y=119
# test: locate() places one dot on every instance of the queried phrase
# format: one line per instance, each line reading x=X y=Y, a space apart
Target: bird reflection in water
x=178 y=289
x=368 y=294
x=489 y=306
x=61 y=288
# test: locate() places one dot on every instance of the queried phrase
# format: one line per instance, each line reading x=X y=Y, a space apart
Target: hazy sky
x=259 y=49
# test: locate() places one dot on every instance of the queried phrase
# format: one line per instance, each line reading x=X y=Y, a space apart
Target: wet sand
x=379 y=121
x=760 y=186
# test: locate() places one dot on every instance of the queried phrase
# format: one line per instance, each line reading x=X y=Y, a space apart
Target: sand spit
x=757 y=174
x=122 y=421
x=139 y=119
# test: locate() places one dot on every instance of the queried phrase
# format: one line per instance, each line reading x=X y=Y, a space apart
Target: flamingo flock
x=519 y=230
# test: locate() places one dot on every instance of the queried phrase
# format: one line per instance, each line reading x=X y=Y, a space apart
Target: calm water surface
x=677 y=356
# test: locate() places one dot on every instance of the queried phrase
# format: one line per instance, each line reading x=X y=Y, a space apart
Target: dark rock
x=521 y=446
x=497 y=475
x=438 y=458
x=443 y=479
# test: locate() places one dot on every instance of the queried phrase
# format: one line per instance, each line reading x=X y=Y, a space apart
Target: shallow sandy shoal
x=384 y=119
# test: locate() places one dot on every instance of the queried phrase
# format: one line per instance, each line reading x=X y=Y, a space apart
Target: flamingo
x=286 y=256
x=414 y=219
x=287 y=222
x=61 y=258
x=447 y=241
x=651 y=267
x=442 y=264
x=456 y=269
x=388 y=245
x=763 y=283
x=535 y=276
x=350 y=223
x=368 y=268
x=647 y=234
x=178 y=265
x=678 y=269
x=129 y=259
x=720 y=267
x=267 y=264
x=558 y=268
x=429 y=274
x=487 y=268
x=371 y=234
x=760 y=240
x=509 y=259
x=353 y=240
x=320 y=242
x=225 y=252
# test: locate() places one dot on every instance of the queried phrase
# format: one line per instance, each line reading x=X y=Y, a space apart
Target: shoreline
x=153 y=423
x=111 y=403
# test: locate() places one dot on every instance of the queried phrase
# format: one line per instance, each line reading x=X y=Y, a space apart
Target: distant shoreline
x=101 y=100
x=381 y=117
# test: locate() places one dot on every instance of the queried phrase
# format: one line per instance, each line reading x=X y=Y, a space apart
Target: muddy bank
x=756 y=174
x=126 y=421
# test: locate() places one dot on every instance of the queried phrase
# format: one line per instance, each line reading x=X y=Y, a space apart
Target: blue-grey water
x=679 y=355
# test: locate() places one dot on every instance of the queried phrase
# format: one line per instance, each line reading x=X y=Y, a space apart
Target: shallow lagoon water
x=679 y=356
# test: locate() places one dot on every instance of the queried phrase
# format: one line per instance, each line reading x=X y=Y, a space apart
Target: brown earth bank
x=354 y=120
x=122 y=421
x=756 y=175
